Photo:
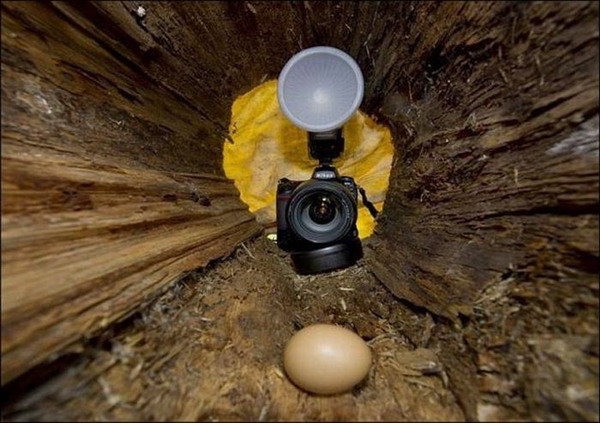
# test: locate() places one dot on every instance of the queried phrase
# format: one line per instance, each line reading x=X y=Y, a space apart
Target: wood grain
x=497 y=153
x=84 y=245
x=111 y=185
x=493 y=107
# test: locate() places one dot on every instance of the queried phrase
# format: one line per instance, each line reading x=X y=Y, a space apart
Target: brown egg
x=326 y=359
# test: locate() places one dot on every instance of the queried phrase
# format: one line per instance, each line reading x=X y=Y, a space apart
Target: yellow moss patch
x=267 y=147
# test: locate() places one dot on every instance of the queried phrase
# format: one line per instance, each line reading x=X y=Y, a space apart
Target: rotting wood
x=67 y=88
x=109 y=186
x=496 y=136
x=478 y=94
x=210 y=348
x=83 y=246
x=472 y=200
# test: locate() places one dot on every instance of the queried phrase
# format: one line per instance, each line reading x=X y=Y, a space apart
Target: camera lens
x=321 y=211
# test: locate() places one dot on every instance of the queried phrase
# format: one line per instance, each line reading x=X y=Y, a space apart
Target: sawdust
x=536 y=349
x=210 y=348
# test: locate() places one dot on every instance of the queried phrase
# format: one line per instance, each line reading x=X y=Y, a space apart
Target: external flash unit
x=319 y=89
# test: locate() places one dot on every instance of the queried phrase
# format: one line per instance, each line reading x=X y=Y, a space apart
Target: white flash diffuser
x=320 y=88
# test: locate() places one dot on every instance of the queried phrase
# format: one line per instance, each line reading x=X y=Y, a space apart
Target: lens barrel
x=321 y=211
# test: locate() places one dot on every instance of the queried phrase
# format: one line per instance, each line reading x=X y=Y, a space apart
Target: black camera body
x=316 y=218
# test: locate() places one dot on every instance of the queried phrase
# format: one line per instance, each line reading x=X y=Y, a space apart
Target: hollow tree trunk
x=89 y=231
x=497 y=152
x=496 y=176
x=493 y=106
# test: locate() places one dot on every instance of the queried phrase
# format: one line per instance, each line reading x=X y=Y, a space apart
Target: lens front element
x=321 y=211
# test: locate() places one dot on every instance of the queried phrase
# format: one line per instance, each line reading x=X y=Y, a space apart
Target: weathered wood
x=493 y=106
x=494 y=110
x=109 y=183
x=83 y=245
x=70 y=91
x=497 y=149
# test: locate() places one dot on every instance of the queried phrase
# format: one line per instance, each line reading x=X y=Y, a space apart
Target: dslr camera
x=316 y=218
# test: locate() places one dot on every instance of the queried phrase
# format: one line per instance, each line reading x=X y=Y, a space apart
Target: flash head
x=320 y=88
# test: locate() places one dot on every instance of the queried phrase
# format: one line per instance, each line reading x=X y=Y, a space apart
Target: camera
x=316 y=218
x=318 y=90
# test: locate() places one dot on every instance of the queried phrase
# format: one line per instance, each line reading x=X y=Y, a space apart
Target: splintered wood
x=490 y=220
x=85 y=244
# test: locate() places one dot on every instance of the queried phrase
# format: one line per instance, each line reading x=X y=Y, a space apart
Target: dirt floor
x=210 y=348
